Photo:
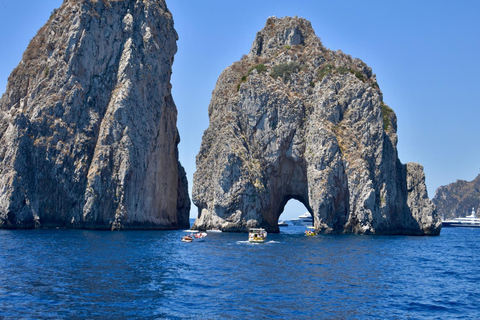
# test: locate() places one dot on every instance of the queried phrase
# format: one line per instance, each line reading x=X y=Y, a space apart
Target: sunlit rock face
x=88 y=135
x=294 y=120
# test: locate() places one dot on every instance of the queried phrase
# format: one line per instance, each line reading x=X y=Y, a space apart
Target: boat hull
x=302 y=222
x=459 y=225
x=256 y=240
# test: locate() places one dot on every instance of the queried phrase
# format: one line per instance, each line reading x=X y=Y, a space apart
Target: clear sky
x=425 y=55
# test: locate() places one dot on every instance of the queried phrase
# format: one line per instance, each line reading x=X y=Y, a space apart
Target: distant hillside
x=458 y=198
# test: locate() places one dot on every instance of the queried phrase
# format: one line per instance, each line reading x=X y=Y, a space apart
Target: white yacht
x=468 y=222
x=305 y=219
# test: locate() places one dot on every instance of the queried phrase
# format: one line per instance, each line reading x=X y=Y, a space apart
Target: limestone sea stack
x=294 y=120
x=88 y=135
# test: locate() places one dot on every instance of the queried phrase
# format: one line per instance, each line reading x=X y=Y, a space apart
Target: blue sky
x=425 y=55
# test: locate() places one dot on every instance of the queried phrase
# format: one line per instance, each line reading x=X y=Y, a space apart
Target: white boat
x=303 y=220
x=282 y=223
x=470 y=221
x=215 y=230
x=187 y=239
x=257 y=235
x=200 y=236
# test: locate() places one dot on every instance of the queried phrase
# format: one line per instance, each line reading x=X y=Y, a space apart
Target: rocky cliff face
x=293 y=119
x=88 y=133
x=457 y=199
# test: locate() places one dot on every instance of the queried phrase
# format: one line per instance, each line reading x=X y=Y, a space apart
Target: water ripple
x=130 y=275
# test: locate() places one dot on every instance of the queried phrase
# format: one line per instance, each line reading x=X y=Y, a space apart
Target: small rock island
x=88 y=135
x=294 y=120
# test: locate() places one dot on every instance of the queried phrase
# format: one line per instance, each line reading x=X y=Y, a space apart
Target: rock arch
x=296 y=120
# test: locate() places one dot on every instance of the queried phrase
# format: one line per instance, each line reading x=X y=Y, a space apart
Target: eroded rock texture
x=88 y=133
x=293 y=119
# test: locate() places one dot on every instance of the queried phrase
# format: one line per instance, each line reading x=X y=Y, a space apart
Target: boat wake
x=256 y=243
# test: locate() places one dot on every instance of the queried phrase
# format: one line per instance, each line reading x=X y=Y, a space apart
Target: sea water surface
x=73 y=274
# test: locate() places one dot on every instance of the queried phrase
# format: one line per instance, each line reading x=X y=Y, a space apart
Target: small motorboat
x=214 y=230
x=282 y=223
x=310 y=232
x=257 y=235
x=187 y=239
x=200 y=236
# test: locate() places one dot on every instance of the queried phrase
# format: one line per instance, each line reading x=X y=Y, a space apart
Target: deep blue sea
x=77 y=274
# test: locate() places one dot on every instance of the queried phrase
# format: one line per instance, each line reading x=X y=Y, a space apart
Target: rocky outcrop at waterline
x=88 y=135
x=457 y=199
x=294 y=120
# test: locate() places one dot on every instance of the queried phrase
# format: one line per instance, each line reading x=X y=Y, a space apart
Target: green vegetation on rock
x=285 y=70
x=328 y=68
x=260 y=69
x=324 y=70
x=386 y=112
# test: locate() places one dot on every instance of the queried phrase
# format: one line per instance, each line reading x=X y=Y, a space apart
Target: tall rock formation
x=294 y=120
x=457 y=199
x=88 y=135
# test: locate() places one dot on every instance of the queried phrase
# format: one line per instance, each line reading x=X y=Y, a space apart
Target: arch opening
x=295 y=211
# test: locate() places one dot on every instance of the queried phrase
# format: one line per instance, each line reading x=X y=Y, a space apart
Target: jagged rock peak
x=88 y=131
x=294 y=120
x=286 y=32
